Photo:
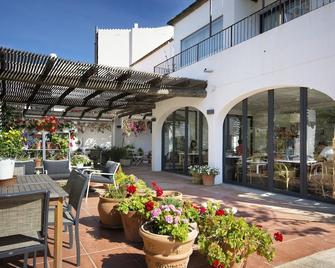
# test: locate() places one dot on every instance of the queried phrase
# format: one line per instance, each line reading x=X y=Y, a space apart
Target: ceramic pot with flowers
x=168 y=238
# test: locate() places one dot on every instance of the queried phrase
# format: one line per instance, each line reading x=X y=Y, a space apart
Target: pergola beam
x=3 y=91
x=47 y=69
x=91 y=96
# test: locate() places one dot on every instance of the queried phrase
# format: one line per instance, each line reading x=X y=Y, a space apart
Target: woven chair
x=105 y=176
x=29 y=166
x=57 y=169
x=23 y=225
x=75 y=187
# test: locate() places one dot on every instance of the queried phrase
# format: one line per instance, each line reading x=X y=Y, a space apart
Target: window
x=202 y=34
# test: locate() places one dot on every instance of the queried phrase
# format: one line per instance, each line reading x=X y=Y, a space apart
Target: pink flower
x=169 y=219
x=156 y=212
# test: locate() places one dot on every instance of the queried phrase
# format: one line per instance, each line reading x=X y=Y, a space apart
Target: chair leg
x=88 y=188
x=77 y=243
x=45 y=257
x=25 y=263
x=34 y=260
x=70 y=236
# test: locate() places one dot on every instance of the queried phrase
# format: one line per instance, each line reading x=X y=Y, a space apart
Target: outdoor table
x=57 y=194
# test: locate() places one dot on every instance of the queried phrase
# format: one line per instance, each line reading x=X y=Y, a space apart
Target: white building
x=269 y=109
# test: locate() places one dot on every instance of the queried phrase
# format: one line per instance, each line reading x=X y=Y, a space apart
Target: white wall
x=147 y=64
x=113 y=47
x=91 y=138
x=144 y=40
x=298 y=53
x=140 y=141
x=121 y=47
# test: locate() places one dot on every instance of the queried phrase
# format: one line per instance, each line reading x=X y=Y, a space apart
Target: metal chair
x=105 y=176
x=75 y=187
x=57 y=169
x=29 y=166
x=23 y=225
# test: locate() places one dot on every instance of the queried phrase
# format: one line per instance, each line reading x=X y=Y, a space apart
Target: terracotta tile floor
x=308 y=226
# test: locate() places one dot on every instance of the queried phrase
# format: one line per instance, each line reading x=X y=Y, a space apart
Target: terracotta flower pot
x=208 y=180
x=170 y=193
x=38 y=145
x=49 y=145
x=38 y=162
x=131 y=224
x=196 y=178
x=162 y=251
x=109 y=216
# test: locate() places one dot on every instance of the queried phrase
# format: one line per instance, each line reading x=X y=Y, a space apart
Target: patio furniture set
x=30 y=205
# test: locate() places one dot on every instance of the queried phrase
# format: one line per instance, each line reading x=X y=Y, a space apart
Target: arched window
x=282 y=140
x=185 y=140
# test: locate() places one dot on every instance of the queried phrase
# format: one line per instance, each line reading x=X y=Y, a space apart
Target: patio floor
x=308 y=226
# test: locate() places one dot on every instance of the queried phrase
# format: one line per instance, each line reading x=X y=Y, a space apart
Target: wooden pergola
x=38 y=85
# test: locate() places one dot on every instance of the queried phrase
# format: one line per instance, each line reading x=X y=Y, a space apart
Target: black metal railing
x=269 y=17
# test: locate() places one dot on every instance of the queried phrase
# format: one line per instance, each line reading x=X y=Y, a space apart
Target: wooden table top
x=35 y=182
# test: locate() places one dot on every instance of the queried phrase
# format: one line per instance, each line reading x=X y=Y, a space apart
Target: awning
x=39 y=85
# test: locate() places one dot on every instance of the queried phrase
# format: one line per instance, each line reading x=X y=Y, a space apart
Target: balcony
x=269 y=17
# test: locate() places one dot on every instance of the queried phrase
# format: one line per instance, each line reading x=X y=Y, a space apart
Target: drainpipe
x=210 y=17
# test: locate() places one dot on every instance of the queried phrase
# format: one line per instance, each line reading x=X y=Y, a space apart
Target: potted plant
x=208 y=175
x=38 y=162
x=59 y=142
x=80 y=160
x=109 y=215
x=133 y=212
x=160 y=194
x=108 y=202
x=11 y=145
x=126 y=159
x=168 y=238
x=195 y=171
x=227 y=240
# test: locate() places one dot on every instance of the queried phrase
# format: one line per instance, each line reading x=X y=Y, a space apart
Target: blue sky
x=66 y=27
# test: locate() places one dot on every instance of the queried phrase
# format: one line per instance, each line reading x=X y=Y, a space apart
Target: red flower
x=202 y=210
x=278 y=236
x=217 y=264
x=131 y=189
x=149 y=205
x=159 y=190
x=220 y=212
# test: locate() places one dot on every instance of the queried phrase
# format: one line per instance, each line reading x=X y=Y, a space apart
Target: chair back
x=24 y=213
x=75 y=187
x=29 y=166
x=111 y=167
x=56 y=166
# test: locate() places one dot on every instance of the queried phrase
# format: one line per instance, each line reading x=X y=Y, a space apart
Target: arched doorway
x=184 y=140
x=282 y=140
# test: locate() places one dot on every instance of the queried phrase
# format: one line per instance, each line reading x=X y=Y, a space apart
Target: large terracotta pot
x=208 y=180
x=131 y=224
x=109 y=216
x=163 y=252
x=196 y=178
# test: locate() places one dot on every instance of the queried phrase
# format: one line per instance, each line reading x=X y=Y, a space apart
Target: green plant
x=115 y=154
x=135 y=203
x=80 y=159
x=191 y=211
x=140 y=151
x=61 y=141
x=207 y=170
x=195 y=170
x=115 y=193
x=171 y=200
x=226 y=239
x=11 y=143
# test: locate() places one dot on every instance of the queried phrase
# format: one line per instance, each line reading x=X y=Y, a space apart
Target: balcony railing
x=269 y=17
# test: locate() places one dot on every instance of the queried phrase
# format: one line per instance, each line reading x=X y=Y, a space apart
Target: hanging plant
x=134 y=127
